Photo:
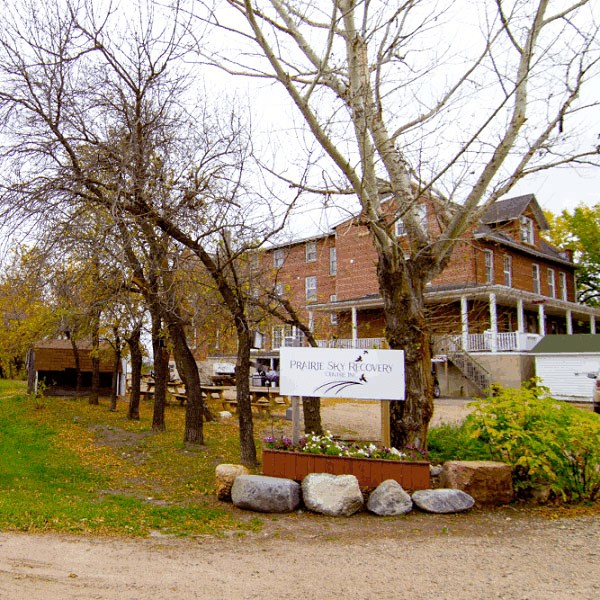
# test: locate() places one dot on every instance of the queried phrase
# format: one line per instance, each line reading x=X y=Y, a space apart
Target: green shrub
x=453 y=441
x=548 y=443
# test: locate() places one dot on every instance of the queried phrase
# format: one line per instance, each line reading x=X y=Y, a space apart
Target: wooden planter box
x=370 y=472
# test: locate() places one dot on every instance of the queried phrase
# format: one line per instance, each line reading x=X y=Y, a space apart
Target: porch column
x=520 y=316
x=541 y=320
x=520 y=323
x=569 y=317
x=494 y=322
x=354 y=327
x=592 y=324
x=464 y=321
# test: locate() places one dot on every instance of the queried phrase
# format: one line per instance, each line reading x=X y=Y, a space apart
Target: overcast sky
x=555 y=190
x=561 y=189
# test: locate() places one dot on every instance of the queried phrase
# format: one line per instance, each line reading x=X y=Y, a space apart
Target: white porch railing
x=361 y=343
x=512 y=341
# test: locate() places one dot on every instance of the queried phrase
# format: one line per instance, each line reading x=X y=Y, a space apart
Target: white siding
x=566 y=374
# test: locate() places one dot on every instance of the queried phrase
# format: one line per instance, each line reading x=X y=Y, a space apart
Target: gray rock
x=389 y=499
x=442 y=501
x=265 y=494
x=332 y=495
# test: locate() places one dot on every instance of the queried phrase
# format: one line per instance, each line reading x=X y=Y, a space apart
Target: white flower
x=397 y=452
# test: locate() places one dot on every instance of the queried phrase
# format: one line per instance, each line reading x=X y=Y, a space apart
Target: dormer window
x=527 y=230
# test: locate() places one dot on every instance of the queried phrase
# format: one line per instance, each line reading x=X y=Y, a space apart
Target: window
x=334 y=317
x=562 y=286
x=535 y=273
x=489 y=266
x=508 y=270
x=278 y=258
x=280 y=332
x=421 y=213
x=527 y=230
x=311 y=251
x=551 y=284
x=332 y=261
x=279 y=289
x=311 y=287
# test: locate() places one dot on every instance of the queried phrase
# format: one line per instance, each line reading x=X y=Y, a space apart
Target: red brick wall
x=357 y=262
x=522 y=270
x=357 y=277
x=461 y=268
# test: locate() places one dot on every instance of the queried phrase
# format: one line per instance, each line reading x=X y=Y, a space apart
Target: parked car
x=596 y=396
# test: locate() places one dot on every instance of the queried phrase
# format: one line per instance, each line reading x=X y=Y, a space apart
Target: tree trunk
x=311 y=407
x=135 y=352
x=115 y=374
x=407 y=329
x=95 y=390
x=161 y=371
x=77 y=365
x=188 y=371
x=30 y=371
x=242 y=384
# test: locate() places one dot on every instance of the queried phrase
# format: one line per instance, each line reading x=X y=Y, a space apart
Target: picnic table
x=262 y=398
x=175 y=388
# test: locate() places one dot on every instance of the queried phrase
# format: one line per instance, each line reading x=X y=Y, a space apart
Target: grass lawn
x=67 y=466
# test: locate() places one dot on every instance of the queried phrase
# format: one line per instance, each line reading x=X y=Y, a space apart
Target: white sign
x=336 y=373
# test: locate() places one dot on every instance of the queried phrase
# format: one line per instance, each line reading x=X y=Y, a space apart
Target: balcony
x=512 y=341
x=361 y=343
x=300 y=340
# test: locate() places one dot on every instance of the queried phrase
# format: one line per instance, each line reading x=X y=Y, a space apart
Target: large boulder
x=442 y=501
x=225 y=475
x=265 y=494
x=332 y=495
x=389 y=499
x=488 y=482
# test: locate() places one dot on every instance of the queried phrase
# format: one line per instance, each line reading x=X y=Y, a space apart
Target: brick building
x=503 y=289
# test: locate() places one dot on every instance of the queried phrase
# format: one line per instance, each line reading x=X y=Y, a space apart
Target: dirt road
x=510 y=553
x=501 y=554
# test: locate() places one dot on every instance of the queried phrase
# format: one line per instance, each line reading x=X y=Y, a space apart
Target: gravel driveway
x=507 y=553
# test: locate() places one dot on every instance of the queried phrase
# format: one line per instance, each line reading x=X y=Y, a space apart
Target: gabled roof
x=512 y=208
x=62 y=344
x=580 y=343
x=545 y=250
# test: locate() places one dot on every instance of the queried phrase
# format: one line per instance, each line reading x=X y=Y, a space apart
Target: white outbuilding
x=562 y=363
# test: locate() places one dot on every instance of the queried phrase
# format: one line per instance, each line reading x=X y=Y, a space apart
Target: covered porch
x=482 y=319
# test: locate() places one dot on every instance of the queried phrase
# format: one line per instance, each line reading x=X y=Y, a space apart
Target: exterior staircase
x=476 y=373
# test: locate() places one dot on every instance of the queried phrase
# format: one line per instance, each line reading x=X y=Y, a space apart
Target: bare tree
x=98 y=114
x=86 y=115
x=452 y=103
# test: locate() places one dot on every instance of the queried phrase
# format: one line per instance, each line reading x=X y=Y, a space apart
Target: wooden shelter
x=54 y=362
